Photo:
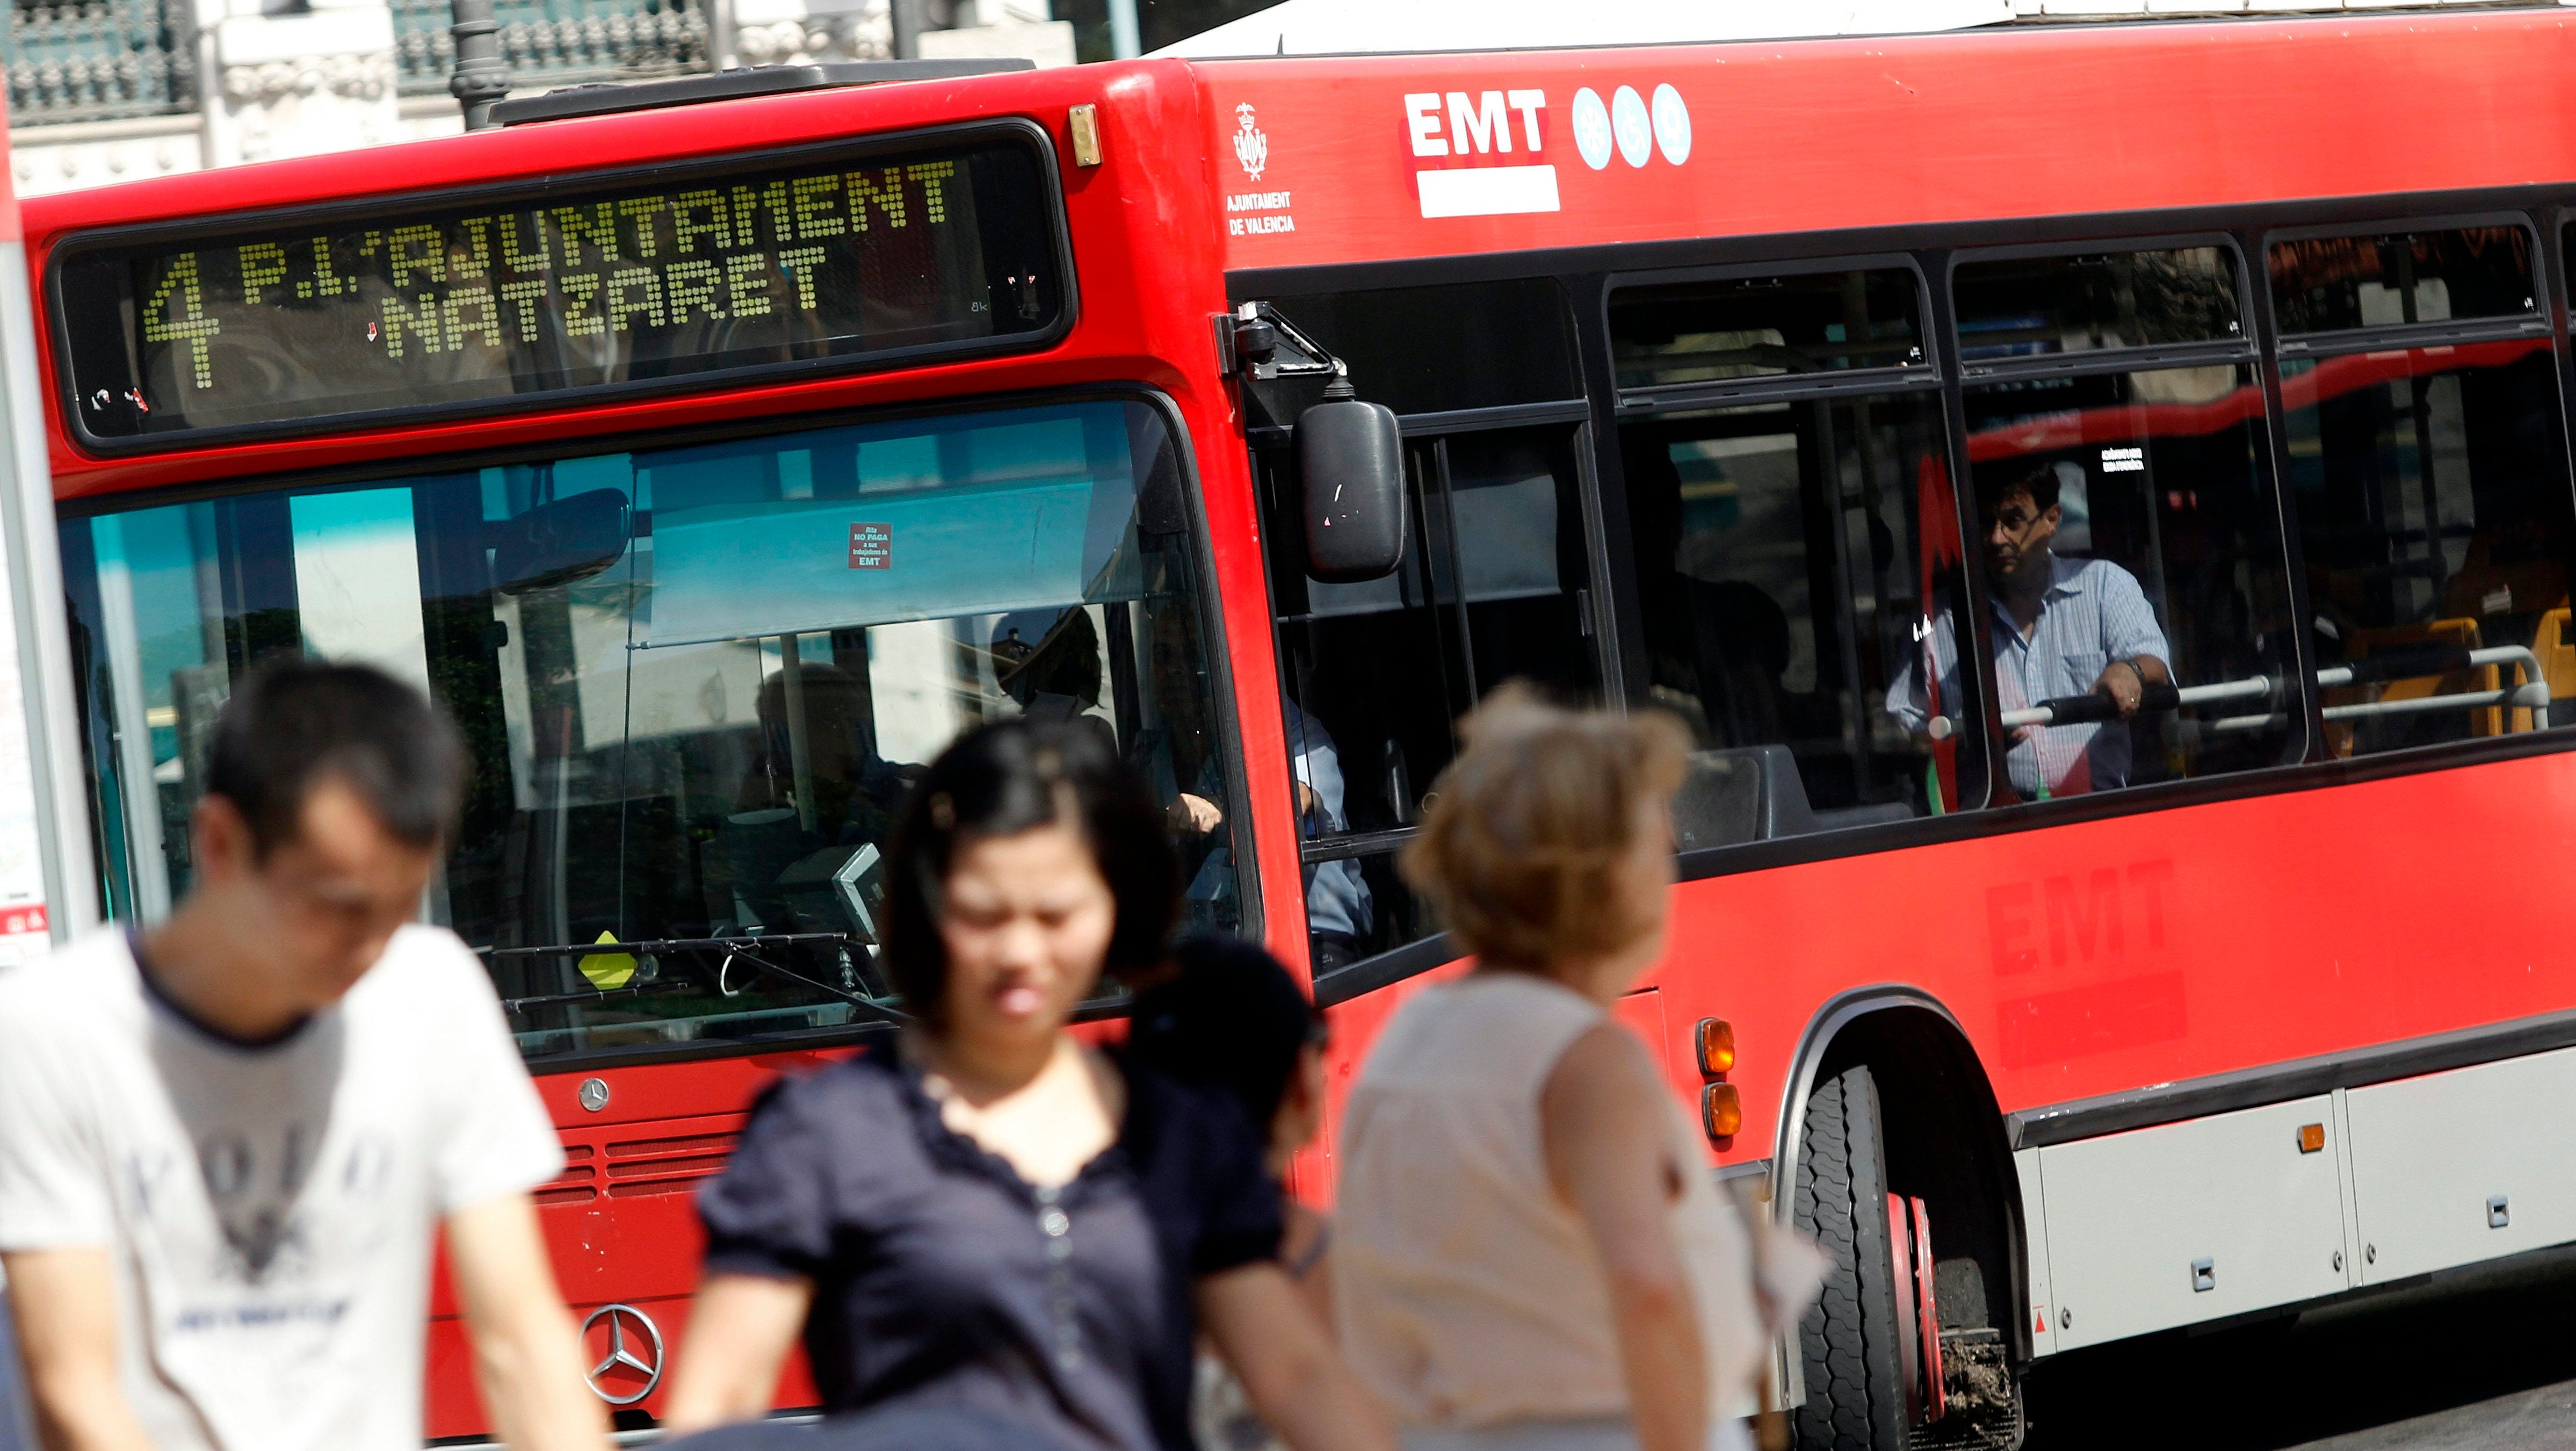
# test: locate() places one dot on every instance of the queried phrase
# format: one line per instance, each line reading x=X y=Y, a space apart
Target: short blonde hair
x=1521 y=846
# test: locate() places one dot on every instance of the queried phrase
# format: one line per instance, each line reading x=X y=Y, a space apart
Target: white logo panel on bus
x=1509 y=122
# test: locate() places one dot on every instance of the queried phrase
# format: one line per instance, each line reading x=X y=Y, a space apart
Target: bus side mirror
x=1350 y=467
x=569 y=539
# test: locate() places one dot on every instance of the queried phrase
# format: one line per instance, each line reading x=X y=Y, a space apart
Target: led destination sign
x=865 y=257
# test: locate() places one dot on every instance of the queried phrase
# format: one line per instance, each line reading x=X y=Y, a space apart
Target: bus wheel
x=1850 y=1344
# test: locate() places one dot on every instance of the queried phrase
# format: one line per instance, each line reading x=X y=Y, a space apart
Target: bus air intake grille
x=666 y=1166
x=575 y=1184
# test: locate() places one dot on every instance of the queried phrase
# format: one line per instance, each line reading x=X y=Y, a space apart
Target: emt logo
x=1458 y=123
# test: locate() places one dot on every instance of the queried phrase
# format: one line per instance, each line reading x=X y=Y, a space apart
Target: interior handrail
x=2403 y=663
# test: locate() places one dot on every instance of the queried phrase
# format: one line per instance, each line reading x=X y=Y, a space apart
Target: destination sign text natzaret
x=439 y=305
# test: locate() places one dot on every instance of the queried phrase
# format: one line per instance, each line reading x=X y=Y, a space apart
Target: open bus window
x=2122 y=517
x=1789 y=557
x=2322 y=284
x=1753 y=327
x=1493 y=587
x=2032 y=306
x=705 y=739
x=2431 y=490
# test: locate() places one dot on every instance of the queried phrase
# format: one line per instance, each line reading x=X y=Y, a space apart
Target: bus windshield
x=697 y=682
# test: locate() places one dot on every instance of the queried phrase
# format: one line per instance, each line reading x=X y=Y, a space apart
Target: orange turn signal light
x=1716 y=1047
x=1721 y=1110
x=2312 y=1137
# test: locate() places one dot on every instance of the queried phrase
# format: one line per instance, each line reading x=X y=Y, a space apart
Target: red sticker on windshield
x=871 y=546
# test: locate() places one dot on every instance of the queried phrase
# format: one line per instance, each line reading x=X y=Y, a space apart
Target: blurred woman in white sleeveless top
x=1532 y=1253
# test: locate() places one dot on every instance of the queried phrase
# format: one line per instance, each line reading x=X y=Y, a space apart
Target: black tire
x=1848 y=1342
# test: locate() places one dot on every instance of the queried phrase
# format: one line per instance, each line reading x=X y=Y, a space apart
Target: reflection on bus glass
x=463 y=303
x=1751 y=327
x=2027 y=306
x=2434 y=518
x=1789 y=556
x=2138 y=502
x=705 y=735
x=2322 y=283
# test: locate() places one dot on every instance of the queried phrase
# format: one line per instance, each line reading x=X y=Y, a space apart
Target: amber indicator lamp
x=1721 y=1110
x=1716 y=1047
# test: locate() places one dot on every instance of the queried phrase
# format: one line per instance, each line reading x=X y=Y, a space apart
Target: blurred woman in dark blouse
x=987 y=1218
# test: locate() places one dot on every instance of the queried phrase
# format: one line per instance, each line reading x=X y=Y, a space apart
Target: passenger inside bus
x=2062 y=627
x=1338 y=918
x=1059 y=678
x=852 y=791
x=1338 y=902
x=1177 y=756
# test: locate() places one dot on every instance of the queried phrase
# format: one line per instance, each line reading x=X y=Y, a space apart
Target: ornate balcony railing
x=560 y=42
x=99 y=60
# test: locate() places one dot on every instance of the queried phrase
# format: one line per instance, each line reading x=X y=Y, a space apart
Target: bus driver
x=2062 y=627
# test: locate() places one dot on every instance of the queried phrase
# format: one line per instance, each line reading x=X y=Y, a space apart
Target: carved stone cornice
x=47 y=159
x=814 y=38
x=360 y=77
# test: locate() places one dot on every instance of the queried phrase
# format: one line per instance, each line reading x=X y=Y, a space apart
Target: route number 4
x=192 y=326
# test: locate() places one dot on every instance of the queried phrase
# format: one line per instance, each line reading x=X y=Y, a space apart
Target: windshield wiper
x=734 y=949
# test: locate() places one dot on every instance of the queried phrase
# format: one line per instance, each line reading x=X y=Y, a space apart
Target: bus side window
x=1493 y=587
x=1793 y=552
x=2164 y=545
x=2124 y=522
x=2430 y=486
x=1783 y=596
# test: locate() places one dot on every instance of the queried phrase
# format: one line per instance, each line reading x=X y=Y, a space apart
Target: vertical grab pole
x=800 y=753
x=41 y=737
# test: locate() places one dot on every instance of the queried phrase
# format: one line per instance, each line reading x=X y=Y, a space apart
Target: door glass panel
x=693 y=738
x=1514 y=523
x=2124 y=517
x=2026 y=306
x=2321 y=284
x=1492 y=588
x=2432 y=496
x=1753 y=327
x=1790 y=559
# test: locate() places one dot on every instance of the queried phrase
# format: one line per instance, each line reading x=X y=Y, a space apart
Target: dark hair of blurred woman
x=1001 y=782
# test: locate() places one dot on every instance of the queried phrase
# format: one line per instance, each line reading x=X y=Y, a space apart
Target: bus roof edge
x=608 y=98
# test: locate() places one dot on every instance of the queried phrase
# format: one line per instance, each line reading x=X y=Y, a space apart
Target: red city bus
x=717 y=456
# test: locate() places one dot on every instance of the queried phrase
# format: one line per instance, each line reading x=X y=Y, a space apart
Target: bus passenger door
x=1495 y=586
x=1498 y=581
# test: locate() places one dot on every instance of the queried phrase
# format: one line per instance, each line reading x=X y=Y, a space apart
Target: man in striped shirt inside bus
x=2061 y=627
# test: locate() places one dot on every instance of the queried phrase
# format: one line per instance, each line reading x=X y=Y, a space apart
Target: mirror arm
x=1261 y=330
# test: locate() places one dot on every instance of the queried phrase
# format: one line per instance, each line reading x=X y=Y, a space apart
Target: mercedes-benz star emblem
x=629 y=1331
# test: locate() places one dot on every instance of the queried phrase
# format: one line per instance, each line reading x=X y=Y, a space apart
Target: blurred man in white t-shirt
x=225 y=1142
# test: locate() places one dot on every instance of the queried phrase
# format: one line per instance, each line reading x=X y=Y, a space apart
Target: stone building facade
x=104 y=91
